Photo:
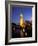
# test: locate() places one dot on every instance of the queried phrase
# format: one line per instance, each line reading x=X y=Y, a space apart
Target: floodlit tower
x=22 y=25
x=21 y=20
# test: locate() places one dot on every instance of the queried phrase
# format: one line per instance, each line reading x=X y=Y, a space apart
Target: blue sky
x=16 y=11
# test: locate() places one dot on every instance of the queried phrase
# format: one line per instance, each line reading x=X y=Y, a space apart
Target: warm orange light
x=21 y=21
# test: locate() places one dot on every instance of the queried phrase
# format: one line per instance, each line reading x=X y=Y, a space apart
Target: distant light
x=23 y=30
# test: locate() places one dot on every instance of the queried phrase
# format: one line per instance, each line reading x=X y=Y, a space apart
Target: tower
x=22 y=25
x=21 y=20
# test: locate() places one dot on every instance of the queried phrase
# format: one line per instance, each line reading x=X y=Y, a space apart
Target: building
x=21 y=20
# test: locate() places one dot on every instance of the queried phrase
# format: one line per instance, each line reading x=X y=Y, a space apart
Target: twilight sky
x=16 y=11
